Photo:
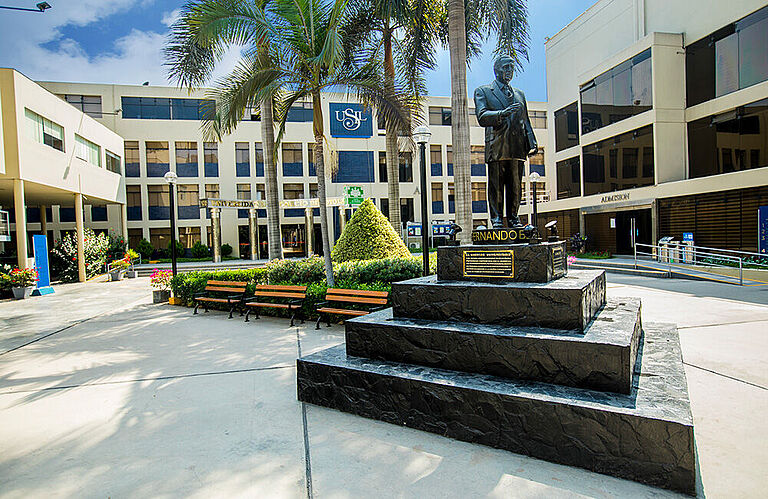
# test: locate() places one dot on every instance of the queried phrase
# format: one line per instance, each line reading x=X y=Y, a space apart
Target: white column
x=310 y=229
x=124 y=221
x=19 y=206
x=80 y=227
x=216 y=235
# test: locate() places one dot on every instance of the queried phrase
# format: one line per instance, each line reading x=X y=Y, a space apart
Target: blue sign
x=350 y=120
x=40 y=245
x=687 y=236
x=441 y=229
x=762 y=230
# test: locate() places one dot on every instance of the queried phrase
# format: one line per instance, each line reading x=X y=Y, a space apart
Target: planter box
x=132 y=274
x=19 y=293
x=160 y=296
x=175 y=301
x=116 y=275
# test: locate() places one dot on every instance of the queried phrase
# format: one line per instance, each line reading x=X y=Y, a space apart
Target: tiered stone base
x=646 y=436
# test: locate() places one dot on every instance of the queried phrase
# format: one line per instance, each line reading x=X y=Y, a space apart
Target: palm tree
x=469 y=23
x=200 y=37
x=375 y=26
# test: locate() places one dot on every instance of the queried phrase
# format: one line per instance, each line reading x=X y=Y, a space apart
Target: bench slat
x=342 y=311
x=217 y=300
x=273 y=294
x=356 y=299
x=240 y=284
x=228 y=290
x=358 y=292
x=280 y=287
x=276 y=305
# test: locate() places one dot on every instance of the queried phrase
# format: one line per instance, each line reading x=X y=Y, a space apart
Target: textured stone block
x=566 y=303
x=532 y=262
x=646 y=436
x=603 y=358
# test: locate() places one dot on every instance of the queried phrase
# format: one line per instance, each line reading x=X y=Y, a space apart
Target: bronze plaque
x=490 y=263
x=558 y=260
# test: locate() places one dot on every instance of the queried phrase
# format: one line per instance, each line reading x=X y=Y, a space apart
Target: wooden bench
x=376 y=300
x=230 y=292
x=294 y=294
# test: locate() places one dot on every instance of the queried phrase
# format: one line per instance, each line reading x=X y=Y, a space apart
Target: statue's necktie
x=508 y=93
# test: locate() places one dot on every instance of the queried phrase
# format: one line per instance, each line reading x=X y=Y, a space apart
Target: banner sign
x=261 y=203
x=414 y=229
x=762 y=230
x=441 y=229
x=40 y=246
x=350 y=120
x=354 y=195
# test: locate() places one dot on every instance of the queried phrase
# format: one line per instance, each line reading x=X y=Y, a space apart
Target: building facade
x=161 y=127
x=659 y=119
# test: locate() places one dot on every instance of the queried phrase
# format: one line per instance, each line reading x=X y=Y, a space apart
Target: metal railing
x=691 y=255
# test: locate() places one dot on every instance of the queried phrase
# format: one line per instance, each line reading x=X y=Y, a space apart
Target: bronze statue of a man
x=509 y=140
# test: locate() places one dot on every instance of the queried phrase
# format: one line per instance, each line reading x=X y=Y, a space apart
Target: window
x=354 y=166
x=436 y=160
x=243 y=192
x=479 y=203
x=293 y=191
x=113 y=162
x=89 y=104
x=188 y=236
x=259 y=160
x=44 y=131
x=477 y=160
x=729 y=142
x=384 y=206
x=731 y=58
x=437 y=198
x=536 y=162
x=568 y=178
x=160 y=237
x=311 y=160
x=451 y=198
x=157 y=159
x=567 y=127
x=405 y=167
x=188 y=200
x=134 y=237
x=312 y=191
x=242 y=160
x=159 y=202
x=133 y=202
x=186 y=159
x=623 y=153
x=439 y=115
x=211 y=192
x=449 y=158
x=301 y=112
x=151 y=108
x=87 y=151
x=261 y=193
x=383 y=167
x=407 y=213
x=293 y=165
x=211 y=159
x=132 y=158
x=617 y=94
x=538 y=119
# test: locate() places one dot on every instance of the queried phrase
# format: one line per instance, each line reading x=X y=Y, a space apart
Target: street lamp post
x=422 y=135
x=171 y=178
x=534 y=177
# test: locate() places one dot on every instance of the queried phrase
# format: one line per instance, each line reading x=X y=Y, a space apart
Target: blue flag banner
x=762 y=230
x=350 y=120
x=40 y=245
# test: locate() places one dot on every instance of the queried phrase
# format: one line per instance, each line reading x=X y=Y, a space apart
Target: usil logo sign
x=350 y=119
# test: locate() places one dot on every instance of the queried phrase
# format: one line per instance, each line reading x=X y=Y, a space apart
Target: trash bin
x=664 y=252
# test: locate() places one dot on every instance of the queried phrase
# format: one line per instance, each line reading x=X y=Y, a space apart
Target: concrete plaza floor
x=103 y=394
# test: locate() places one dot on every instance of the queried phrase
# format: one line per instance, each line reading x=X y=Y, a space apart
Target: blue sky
x=120 y=41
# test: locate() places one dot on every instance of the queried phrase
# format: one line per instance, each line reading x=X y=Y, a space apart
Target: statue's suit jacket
x=508 y=137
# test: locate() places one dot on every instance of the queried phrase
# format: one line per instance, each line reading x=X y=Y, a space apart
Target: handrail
x=694 y=251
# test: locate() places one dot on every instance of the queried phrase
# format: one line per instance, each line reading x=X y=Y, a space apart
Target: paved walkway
x=103 y=394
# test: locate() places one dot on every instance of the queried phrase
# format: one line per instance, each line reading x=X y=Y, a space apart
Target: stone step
x=646 y=436
x=601 y=358
x=566 y=303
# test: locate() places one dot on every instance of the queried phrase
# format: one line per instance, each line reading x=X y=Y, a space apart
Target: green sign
x=353 y=194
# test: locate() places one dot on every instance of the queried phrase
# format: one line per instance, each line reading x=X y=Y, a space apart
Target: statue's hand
x=512 y=109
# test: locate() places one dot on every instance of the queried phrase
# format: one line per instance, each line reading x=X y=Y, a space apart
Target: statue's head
x=504 y=68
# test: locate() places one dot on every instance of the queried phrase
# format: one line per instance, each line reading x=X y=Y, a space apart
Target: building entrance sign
x=762 y=230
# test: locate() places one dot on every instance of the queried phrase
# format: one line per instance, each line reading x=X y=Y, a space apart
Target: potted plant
x=117 y=269
x=132 y=256
x=161 y=284
x=22 y=282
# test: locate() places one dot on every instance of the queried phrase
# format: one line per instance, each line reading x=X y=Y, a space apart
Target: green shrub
x=199 y=250
x=179 y=248
x=117 y=246
x=387 y=271
x=305 y=271
x=145 y=249
x=368 y=236
x=64 y=255
x=226 y=249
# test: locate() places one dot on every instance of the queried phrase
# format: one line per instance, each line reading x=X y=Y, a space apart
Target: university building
x=659 y=113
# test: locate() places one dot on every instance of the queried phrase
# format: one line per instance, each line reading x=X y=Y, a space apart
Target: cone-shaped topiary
x=368 y=236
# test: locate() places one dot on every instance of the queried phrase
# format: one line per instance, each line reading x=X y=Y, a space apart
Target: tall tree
x=469 y=23
x=199 y=39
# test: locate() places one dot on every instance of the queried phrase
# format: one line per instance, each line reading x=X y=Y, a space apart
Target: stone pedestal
x=542 y=262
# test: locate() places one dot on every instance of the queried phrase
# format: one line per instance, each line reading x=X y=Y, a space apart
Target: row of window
x=442 y=116
x=45 y=131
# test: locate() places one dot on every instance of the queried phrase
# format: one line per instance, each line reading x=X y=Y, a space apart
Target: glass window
x=293 y=165
x=477 y=160
x=479 y=204
x=439 y=115
x=134 y=237
x=188 y=236
x=242 y=160
x=132 y=158
x=301 y=112
x=536 y=162
x=449 y=160
x=451 y=198
x=87 y=151
x=151 y=108
x=113 y=162
x=89 y=104
x=568 y=178
x=405 y=167
x=44 y=131
x=382 y=166
x=186 y=159
x=567 y=127
x=407 y=213
x=259 y=160
x=313 y=191
x=753 y=48
x=212 y=191
x=436 y=160
x=617 y=94
x=159 y=202
x=538 y=119
x=160 y=237
x=133 y=202
x=728 y=142
x=293 y=191
x=243 y=191
x=188 y=201
x=311 y=159
x=630 y=153
x=211 y=159
x=157 y=159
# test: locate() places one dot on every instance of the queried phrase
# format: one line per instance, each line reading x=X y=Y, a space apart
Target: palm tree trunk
x=270 y=172
x=392 y=150
x=317 y=127
x=457 y=45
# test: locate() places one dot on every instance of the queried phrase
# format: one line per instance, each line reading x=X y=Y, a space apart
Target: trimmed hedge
x=368 y=236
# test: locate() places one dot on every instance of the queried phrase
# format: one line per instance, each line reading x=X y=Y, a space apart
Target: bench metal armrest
x=251 y=299
x=377 y=308
x=322 y=304
x=200 y=295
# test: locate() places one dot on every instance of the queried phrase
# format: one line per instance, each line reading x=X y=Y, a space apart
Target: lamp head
x=422 y=134
x=171 y=177
x=43 y=6
x=535 y=177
